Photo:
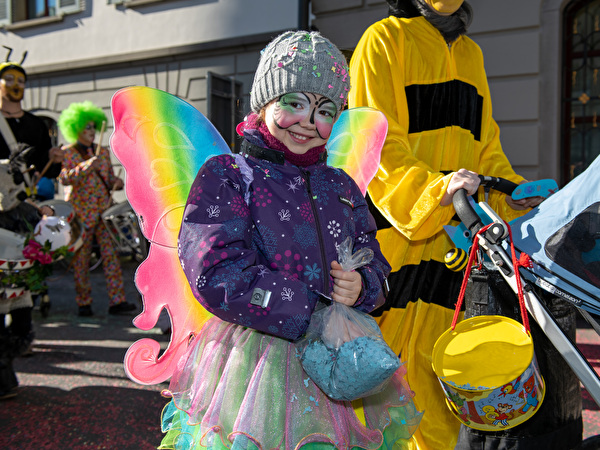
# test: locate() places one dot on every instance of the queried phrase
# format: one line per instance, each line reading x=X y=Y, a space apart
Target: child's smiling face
x=301 y=120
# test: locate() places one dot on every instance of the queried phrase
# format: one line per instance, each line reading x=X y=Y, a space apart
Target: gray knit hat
x=300 y=62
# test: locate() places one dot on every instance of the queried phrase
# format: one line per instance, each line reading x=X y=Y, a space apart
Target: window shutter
x=224 y=106
x=68 y=6
x=5 y=12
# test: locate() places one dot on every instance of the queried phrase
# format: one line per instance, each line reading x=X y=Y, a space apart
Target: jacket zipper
x=319 y=229
x=450 y=47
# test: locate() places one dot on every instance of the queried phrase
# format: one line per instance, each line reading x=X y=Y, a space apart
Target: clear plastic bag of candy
x=343 y=351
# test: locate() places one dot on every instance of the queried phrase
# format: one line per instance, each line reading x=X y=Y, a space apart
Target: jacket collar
x=268 y=154
x=403 y=9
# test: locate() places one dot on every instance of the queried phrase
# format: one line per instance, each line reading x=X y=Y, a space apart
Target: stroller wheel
x=45 y=305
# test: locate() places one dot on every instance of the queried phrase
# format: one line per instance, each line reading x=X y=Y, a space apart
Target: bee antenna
x=9 y=52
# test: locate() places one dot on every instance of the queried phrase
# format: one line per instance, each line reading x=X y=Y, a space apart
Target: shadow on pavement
x=73 y=391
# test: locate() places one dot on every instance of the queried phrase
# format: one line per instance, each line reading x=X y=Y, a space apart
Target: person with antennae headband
x=22 y=128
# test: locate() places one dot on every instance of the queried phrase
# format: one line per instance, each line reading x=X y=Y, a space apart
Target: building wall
x=184 y=76
x=173 y=44
x=511 y=47
x=170 y=45
x=103 y=32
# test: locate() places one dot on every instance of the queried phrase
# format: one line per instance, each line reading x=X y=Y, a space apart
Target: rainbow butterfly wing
x=355 y=144
x=162 y=142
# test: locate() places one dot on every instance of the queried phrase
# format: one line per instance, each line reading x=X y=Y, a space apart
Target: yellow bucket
x=487 y=368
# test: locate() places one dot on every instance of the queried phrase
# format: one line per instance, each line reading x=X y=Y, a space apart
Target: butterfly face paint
x=298 y=107
x=301 y=120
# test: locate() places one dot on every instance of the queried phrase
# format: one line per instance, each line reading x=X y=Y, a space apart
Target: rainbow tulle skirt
x=237 y=388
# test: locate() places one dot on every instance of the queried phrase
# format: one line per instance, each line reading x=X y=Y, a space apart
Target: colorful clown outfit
x=88 y=192
x=259 y=232
x=437 y=101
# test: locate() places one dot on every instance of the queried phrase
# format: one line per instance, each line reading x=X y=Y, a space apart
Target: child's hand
x=346 y=285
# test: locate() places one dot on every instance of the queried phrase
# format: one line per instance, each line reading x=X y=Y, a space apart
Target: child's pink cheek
x=287 y=120
x=324 y=129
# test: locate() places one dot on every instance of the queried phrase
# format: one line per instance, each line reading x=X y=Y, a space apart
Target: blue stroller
x=560 y=242
x=562 y=236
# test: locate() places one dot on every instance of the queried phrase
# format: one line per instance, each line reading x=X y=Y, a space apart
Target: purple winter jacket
x=259 y=234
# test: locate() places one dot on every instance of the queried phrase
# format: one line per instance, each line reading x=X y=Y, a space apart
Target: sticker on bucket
x=487 y=368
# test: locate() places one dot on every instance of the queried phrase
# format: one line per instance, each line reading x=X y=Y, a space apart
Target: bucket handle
x=524 y=261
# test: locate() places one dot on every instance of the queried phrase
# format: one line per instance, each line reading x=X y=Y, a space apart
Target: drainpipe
x=304 y=15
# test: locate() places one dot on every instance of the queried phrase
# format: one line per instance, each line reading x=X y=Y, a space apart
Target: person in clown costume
x=89 y=181
x=420 y=69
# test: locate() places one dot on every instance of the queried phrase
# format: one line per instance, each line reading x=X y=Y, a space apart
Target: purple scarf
x=253 y=126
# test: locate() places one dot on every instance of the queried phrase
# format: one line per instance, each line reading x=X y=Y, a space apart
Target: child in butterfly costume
x=258 y=247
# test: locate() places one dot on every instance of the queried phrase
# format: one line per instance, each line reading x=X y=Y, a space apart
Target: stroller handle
x=465 y=211
x=499 y=184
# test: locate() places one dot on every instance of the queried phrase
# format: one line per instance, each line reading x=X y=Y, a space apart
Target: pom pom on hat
x=300 y=62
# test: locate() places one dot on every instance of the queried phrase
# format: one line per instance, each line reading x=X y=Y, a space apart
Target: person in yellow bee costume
x=420 y=69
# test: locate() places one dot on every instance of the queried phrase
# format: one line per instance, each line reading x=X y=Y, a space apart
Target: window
x=581 y=87
x=40 y=8
x=14 y=11
x=224 y=107
x=132 y=3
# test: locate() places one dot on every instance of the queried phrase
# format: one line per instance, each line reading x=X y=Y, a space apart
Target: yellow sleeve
x=406 y=190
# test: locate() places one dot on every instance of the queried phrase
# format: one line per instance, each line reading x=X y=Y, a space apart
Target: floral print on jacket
x=259 y=234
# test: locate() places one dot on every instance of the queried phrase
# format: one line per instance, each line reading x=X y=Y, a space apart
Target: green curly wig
x=73 y=120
